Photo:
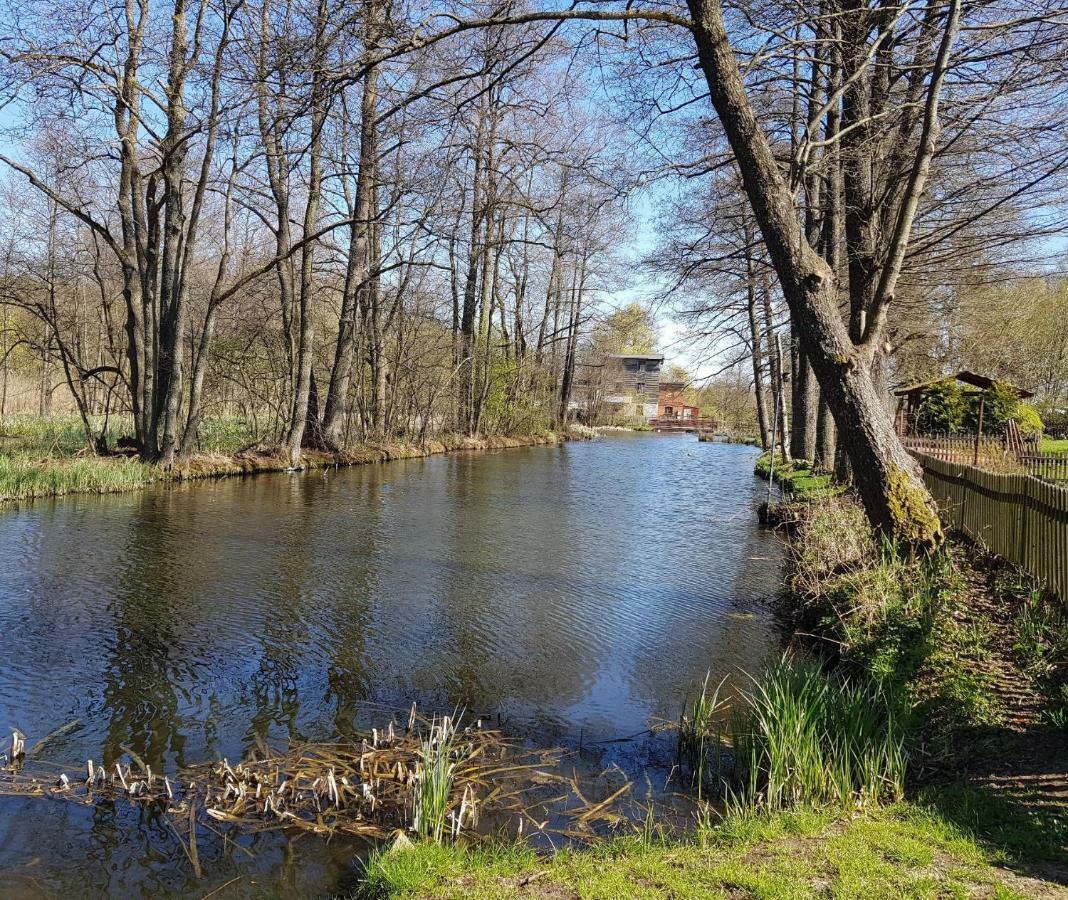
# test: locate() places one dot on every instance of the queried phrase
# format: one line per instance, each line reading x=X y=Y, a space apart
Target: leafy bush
x=944 y=409
x=999 y=406
x=1027 y=419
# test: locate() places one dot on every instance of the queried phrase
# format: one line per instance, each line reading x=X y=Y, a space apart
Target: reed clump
x=798 y=736
x=23 y=478
x=699 y=732
x=435 y=782
x=805 y=737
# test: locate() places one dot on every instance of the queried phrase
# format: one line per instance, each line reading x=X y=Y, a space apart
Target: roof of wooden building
x=983 y=382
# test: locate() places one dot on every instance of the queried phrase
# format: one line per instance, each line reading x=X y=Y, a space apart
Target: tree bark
x=294 y=440
x=358 y=264
x=804 y=396
x=888 y=479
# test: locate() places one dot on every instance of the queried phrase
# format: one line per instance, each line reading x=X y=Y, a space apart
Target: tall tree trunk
x=567 y=377
x=823 y=458
x=888 y=478
x=295 y=436
x=756 y=340
x=358 y=265
x=804 y=396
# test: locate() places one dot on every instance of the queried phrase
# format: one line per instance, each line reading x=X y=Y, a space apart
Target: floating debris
x=364 y=786
x=435 y=778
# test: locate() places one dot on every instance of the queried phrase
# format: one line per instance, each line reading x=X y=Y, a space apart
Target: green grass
x=226 y=435
x=58 y=437
x=805 y=737
x=1040 y=626
x=1016 y=826
x=33 y=437
x=24 y=479
x=899 y=851
x=798 y=478
x=48 y=457
x=1054 y=445
x=899 y=621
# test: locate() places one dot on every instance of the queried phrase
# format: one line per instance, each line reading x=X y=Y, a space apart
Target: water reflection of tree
x=724 y=623
x=145 y=666
x=274 y=688
x=497 y=627
x=349 y=584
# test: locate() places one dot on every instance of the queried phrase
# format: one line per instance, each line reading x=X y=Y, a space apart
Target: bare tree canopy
x=365 y=220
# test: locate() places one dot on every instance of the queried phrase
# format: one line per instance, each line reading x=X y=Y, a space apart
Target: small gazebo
x=910 y=398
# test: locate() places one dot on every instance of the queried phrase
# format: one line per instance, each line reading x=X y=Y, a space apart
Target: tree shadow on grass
x=1016 y=807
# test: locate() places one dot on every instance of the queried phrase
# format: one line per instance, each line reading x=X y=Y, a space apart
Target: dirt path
x=1023 y=760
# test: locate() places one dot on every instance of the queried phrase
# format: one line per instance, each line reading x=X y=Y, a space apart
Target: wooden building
x=632 y=383
x=910 y=398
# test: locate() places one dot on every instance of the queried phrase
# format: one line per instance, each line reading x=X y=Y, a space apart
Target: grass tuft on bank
x=805 y=737
x=898 y=621
x=26 y=479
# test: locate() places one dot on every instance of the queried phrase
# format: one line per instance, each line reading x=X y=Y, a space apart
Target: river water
x=572 y=593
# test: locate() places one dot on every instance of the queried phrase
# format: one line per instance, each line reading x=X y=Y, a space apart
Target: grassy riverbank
x=924 y=755
x=48 y=457
x=908 y=850
x=798 y=478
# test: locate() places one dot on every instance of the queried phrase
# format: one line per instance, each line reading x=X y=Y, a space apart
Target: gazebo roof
x=982 y=382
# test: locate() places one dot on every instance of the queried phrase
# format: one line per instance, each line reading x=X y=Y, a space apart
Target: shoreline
x=57 y=477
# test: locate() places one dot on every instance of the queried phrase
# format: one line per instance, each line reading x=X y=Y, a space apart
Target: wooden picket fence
x=1017 y=516
x=1050 y=466
x=987 y=452
x=994 y=454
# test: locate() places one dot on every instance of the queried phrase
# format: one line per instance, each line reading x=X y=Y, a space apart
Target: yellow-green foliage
x=1027 y=419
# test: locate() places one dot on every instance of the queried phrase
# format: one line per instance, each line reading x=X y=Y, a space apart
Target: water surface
x=573 y=593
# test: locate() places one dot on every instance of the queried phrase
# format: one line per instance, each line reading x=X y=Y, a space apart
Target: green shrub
x=999 y=406
x=943 y=409
x=1027 y=419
